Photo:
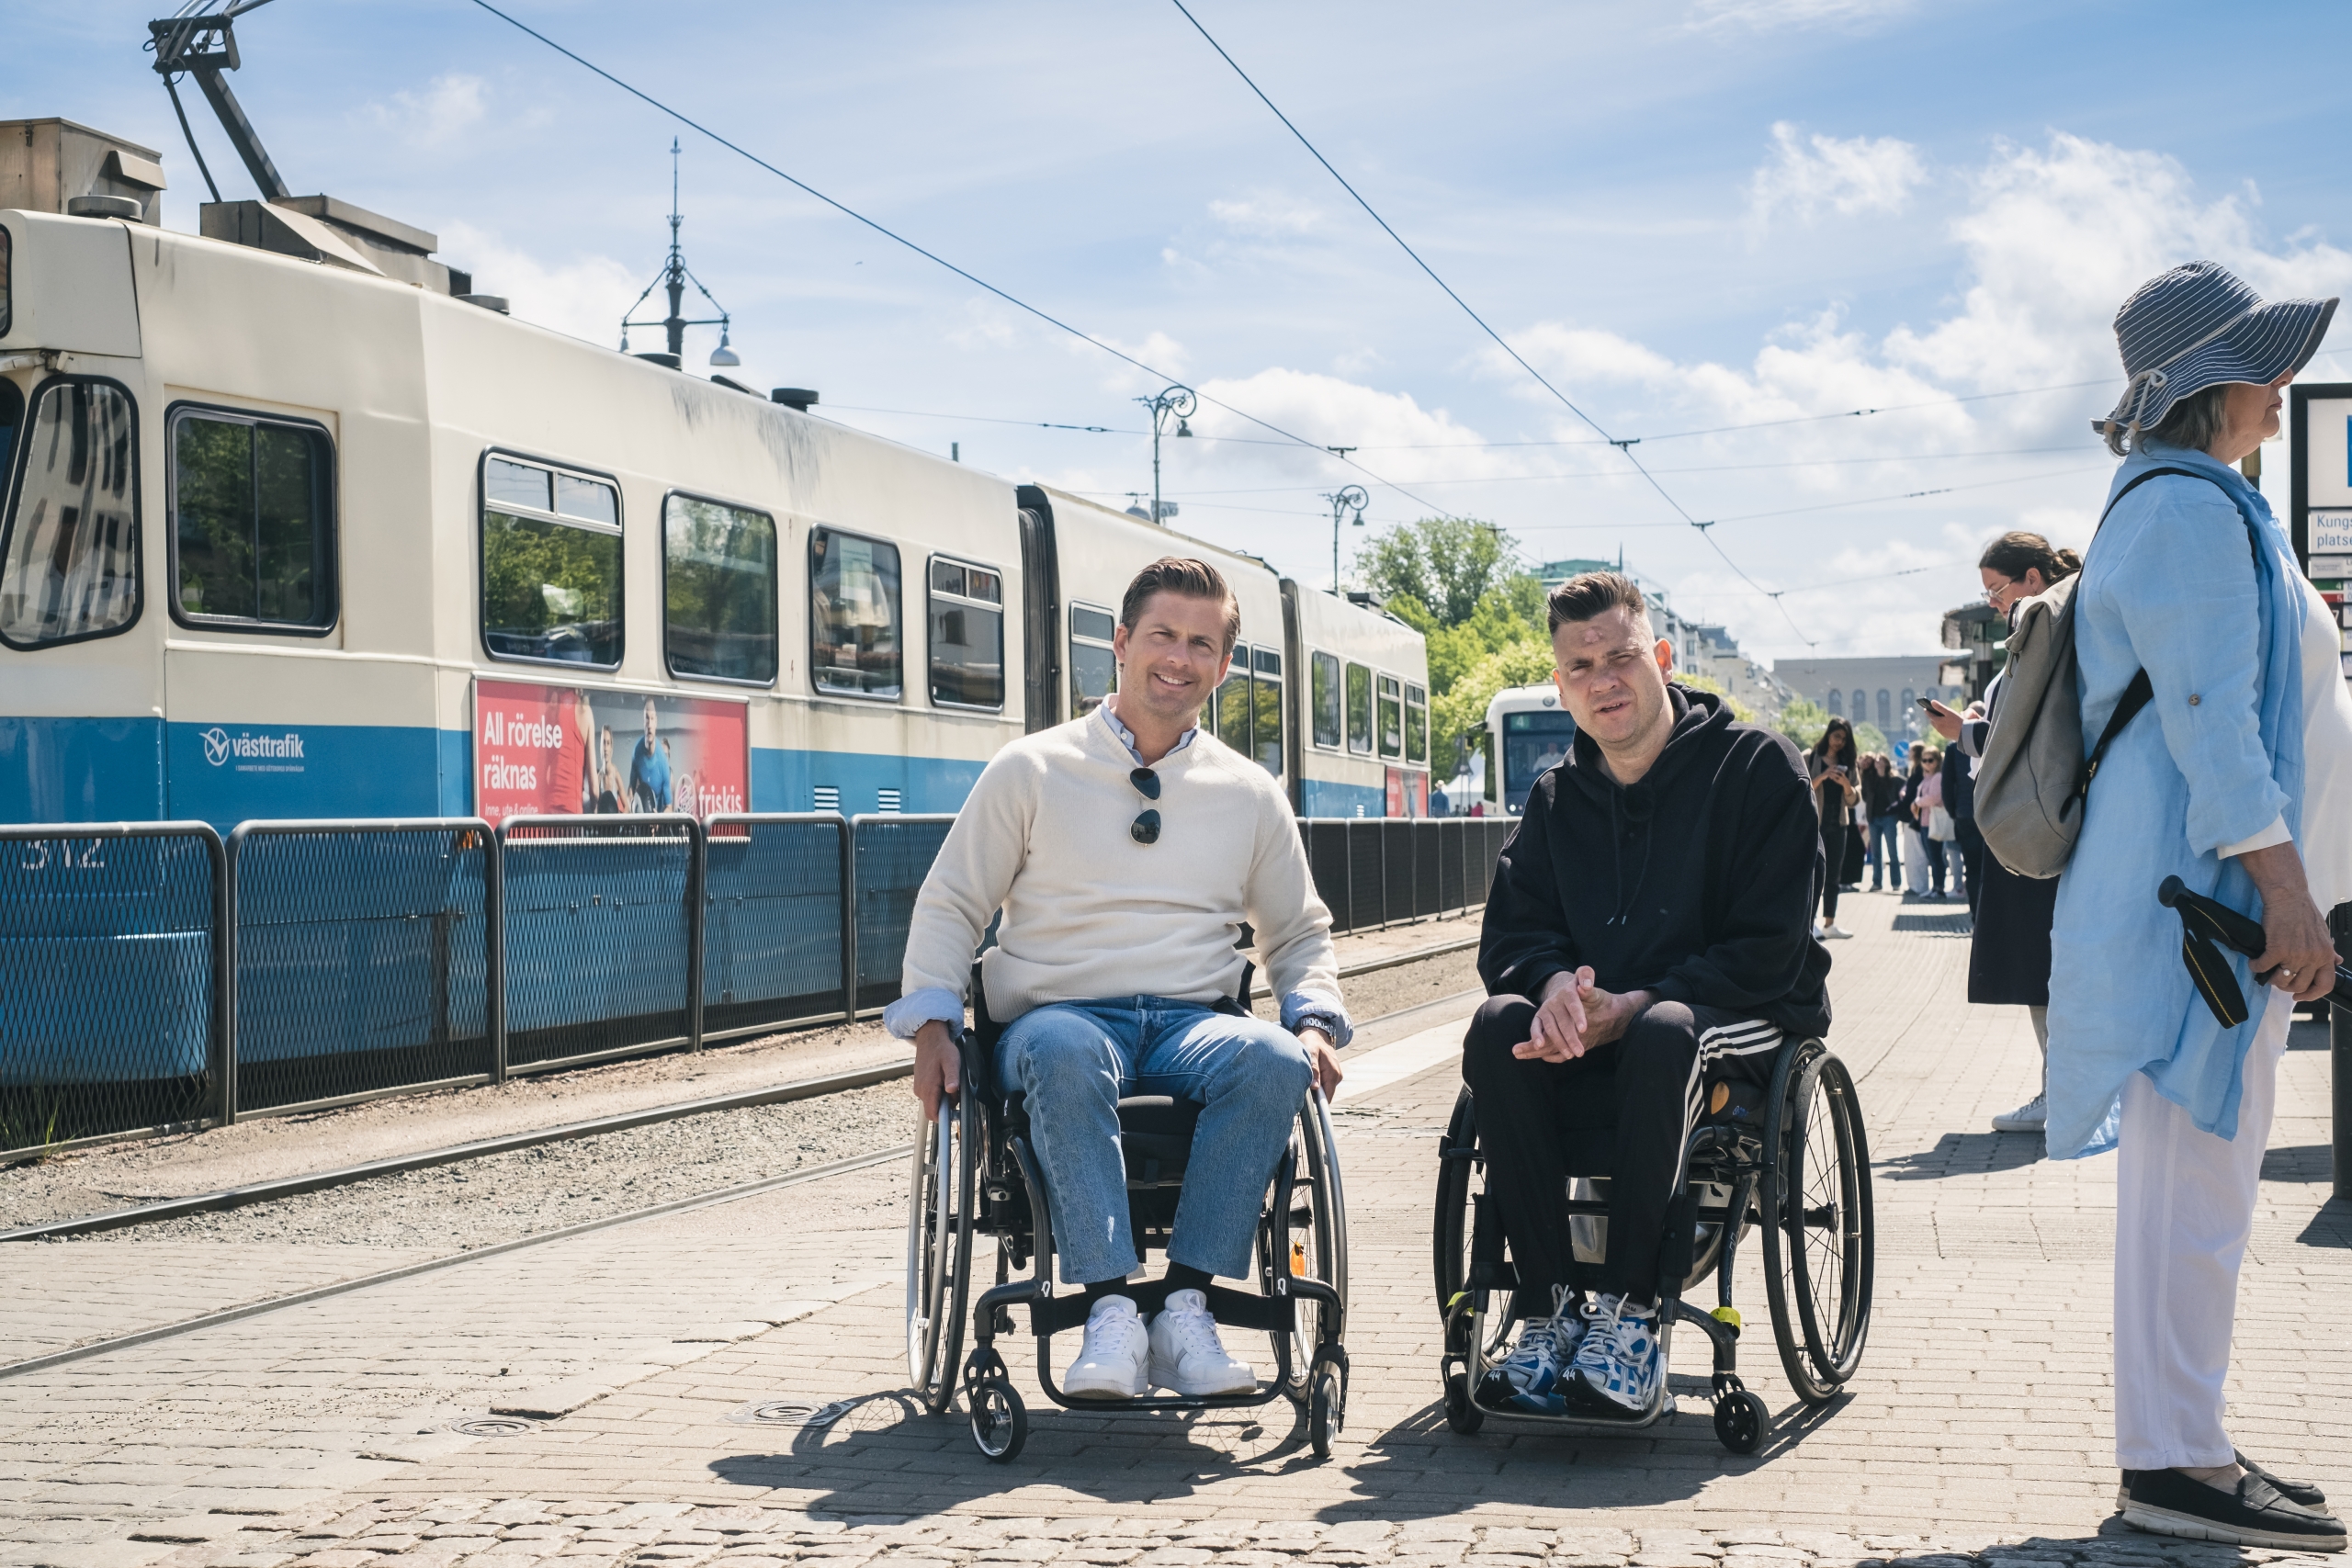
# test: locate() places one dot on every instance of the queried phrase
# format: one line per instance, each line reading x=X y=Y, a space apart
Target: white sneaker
x=1187 y=1358
x=1833 y=931
x=2030 y=1117
x=1618 y=1364
x=1816 y=930
x=1110 y=1365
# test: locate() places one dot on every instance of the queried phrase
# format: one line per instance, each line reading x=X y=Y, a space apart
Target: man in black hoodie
x=1648 y=930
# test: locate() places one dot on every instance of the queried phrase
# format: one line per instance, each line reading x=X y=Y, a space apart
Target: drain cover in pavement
x=493 y=1426
x=792 y=1413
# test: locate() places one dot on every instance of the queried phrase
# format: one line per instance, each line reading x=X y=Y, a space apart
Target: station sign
x=2320 y=498
x=566 y=751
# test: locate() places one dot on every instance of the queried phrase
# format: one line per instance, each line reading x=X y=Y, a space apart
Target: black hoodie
x=1696 y=883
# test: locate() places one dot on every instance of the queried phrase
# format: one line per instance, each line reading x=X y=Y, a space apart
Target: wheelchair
x=1789 y=1163
x=974 y=1175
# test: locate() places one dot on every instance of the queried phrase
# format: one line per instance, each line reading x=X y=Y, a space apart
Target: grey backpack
x=2033 y=782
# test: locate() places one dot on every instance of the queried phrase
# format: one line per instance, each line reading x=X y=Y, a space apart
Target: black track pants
x=1655 y=1079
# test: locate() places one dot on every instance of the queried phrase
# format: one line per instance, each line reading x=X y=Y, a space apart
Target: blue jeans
x=1075 y=1059
x=1886 y=852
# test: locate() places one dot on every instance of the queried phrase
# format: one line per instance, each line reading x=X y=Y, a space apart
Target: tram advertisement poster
x=565 y=750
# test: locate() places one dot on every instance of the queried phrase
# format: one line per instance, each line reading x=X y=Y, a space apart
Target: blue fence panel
x=110 y=980
x=365 y=955
x=893 y=856
x=774 y=920
x=601 y=936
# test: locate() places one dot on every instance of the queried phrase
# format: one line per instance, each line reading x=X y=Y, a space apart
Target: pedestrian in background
x=1882 y=796
x=2009 y=955
x=1831 y=765
x=1914 y=832
x=2240 y=783
x=1934 y=822
x=1967 y=845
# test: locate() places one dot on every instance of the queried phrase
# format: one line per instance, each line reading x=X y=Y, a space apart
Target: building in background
x=1884 y=692
x=1700 y=649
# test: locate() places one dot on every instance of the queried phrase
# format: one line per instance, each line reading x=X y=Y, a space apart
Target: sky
x=1687 y=215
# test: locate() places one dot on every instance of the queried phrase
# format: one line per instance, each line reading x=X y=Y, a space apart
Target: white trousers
x=1915 y=860
x=2184 y=1208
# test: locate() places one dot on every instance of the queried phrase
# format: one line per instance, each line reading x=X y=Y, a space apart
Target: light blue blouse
x=2171 y=584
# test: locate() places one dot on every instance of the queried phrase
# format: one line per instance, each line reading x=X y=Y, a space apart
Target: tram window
x=855 y=647
x=1093 y=669
x=593 y=501
x=1234 y=709
x=1360 y=709
x=12 y=401
x=69 y=551
x=4 y=283
x=717 y=586
x=966 y=635
x=1416 y=725
x=550 y=587
x=1392 y=719
x=252 y=536
x=1266 y=707
x=1323 y=697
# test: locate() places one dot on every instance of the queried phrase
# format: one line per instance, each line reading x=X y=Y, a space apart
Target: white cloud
x=1764 y=16
x=448 y=107
x=1846 y=174
x=1267 y=214
x=585 y=296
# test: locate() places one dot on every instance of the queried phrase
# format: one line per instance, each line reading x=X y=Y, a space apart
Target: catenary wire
x=1626 y=447
x=932 y=256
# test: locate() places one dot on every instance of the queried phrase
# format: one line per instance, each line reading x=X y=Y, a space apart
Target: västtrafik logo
x=216 y=745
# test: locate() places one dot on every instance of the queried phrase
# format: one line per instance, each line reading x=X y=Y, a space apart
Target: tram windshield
x=1533 y=742
x=71 y=564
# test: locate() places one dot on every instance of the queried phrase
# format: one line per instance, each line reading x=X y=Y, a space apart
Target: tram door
x=1041 y=610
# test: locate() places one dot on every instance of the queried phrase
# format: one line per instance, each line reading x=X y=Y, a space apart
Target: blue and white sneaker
x=1533 y=1377
x=1618 y=1365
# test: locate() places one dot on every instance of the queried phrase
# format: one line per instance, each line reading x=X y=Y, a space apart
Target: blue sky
x=1690 y=215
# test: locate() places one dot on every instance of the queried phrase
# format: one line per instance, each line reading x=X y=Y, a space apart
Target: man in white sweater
x=1125 y=849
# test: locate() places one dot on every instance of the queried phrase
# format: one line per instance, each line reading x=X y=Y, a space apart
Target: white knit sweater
x=1088 y=912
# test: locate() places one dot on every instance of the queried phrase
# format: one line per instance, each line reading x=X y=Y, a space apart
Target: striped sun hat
x=2198 y=326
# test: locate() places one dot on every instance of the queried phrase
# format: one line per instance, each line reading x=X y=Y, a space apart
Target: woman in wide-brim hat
x=2236 y=778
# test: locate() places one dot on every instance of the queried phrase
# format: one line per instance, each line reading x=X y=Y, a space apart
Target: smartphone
x=1928 y=703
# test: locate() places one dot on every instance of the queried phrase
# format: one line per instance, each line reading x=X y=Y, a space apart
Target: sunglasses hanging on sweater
x=1145 y=829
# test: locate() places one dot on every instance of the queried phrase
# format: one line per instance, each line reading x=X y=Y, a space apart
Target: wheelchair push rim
x=939 y=1248
x=1312 y=1243
x=1819 y=1255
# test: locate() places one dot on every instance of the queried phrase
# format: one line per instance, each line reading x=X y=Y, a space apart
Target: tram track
x=1371 y=1034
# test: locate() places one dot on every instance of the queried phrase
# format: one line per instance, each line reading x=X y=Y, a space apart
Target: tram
x=285 y=538
x=1526 y=732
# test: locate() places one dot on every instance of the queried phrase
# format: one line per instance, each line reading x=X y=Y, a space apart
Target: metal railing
x=1376 y=871
x=153 y=976
x=113 y=980
x=363 y=958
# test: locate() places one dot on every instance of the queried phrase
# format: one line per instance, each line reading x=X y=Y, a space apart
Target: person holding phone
x=1835 y=783
x=1881 y=798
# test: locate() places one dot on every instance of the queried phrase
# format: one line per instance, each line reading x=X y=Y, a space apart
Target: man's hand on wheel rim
x=939 y=1068
x=1324 y=1057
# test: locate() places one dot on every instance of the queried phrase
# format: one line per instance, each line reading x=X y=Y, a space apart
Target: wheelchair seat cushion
x=1156 y=1134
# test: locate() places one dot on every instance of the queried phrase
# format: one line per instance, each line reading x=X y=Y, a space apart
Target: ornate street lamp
x=1179 y=401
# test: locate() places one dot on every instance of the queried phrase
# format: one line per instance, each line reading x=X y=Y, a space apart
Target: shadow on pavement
x=1943 y=922
x=1416 y=1468
x=2332 y=1226
x=2298 y=1162
x=1963 y=1154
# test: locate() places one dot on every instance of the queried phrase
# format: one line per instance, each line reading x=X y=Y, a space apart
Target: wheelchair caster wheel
x=1327 y=1401
x=1741 y=1421
x=1462 y=1412
x=999 y=1424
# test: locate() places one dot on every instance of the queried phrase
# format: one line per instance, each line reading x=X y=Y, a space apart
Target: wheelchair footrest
x=1234 y=1309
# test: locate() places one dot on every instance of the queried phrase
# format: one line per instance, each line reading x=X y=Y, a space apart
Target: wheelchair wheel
x=1000 y=1421
x=1818 y=1252
x=1313 y=1236
x=1460 y=1179
x=941 y=1189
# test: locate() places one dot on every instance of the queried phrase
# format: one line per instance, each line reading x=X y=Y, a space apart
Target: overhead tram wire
x=932 y=256
x=1625 y=445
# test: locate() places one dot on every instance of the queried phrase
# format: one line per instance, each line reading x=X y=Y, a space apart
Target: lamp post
x=1351 y=498
x=1177 y=401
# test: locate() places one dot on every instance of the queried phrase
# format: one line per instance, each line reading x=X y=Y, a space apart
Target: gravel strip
x=502 y=1196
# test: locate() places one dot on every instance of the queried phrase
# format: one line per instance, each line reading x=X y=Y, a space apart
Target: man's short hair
x=1591 y=594
x=1188 y=577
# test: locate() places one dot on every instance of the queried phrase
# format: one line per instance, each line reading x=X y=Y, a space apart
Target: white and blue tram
x=1528 y=732
x=284 y=539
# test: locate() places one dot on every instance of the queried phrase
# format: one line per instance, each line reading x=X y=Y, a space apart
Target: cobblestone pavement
x=1977 y=1431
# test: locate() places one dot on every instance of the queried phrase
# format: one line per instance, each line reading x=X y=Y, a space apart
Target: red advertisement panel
x=560 y=751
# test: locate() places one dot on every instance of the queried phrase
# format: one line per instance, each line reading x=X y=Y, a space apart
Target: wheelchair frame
x=974 y=1174
x=1819 y=1324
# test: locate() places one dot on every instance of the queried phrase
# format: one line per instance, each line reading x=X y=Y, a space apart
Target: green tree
x=1463 y=708
x=1447 y=565
x=1804 y=721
